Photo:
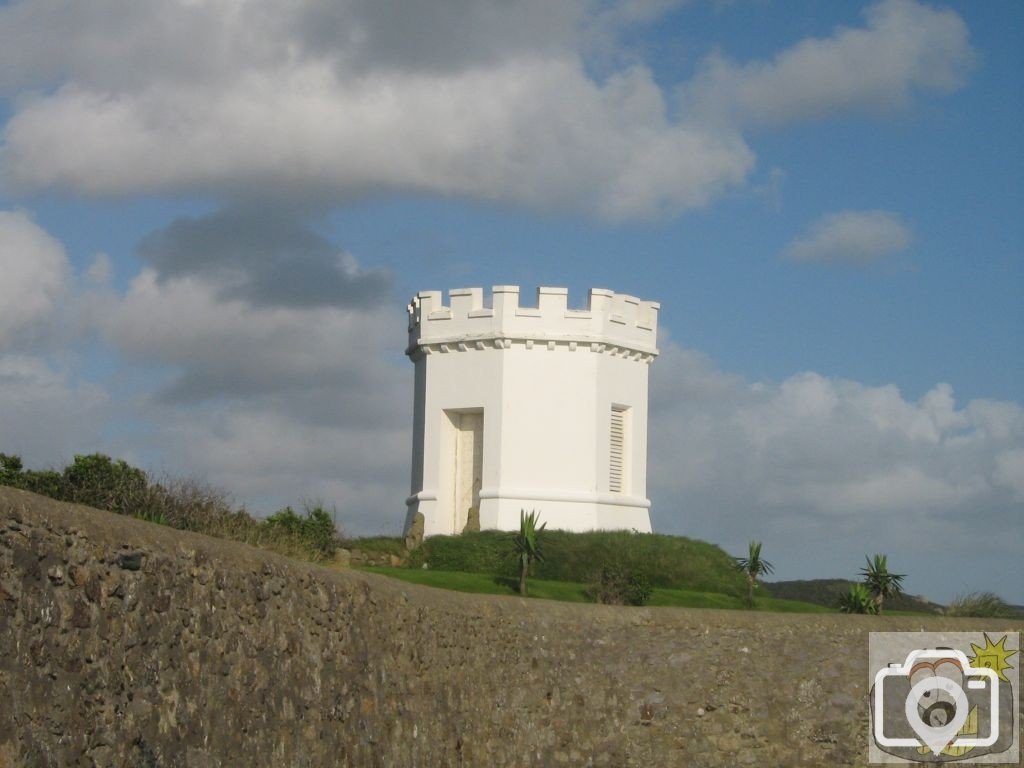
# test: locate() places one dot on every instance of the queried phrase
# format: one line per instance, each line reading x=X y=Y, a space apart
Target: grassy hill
x=672 y=562
x=826 y=592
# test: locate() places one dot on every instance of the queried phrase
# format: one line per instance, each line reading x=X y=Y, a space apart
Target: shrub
x=753 y=567
x=99 y=481
x=987 y=605
x=11 y=469
x=190 y=505
x=528 y=545
x=858 y=600
x=476 y=552
x=45 y=482
x=619 y=585
x=286 y=520
x=315 y=531
x=880 y=581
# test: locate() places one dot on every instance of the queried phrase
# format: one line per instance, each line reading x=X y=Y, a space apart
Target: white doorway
x=469 y=464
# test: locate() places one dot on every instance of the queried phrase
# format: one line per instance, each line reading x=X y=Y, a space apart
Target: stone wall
x=129 y=644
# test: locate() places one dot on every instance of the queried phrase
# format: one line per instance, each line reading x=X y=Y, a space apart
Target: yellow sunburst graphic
x=992 y=656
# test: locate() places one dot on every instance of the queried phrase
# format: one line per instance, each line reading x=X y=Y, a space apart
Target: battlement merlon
x=610 y=318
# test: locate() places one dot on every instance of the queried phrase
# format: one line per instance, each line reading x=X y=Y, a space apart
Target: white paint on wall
x=513 y=409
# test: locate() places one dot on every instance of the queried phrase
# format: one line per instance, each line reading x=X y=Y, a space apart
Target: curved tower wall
x=541 y=407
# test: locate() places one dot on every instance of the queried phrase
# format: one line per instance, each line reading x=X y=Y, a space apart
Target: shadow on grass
x=509 y=582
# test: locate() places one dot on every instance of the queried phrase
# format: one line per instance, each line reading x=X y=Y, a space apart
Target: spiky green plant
x=880 y=582
x=528 y=545
x=857 y=600
x=753 y=566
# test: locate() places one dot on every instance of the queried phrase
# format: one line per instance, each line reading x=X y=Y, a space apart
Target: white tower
x=537 y=408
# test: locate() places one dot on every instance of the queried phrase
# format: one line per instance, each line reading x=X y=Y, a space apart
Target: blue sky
x=211 y=219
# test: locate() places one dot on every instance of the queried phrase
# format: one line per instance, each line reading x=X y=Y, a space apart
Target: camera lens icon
x=936 y=708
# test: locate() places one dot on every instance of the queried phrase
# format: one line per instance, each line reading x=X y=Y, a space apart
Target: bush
x=99 y=481
x=618 y=585
x=190 y=505
x=315 y=531
x=11 y=469
x=986 y=605
x=476 y=552
x=45 y=482
x=857 y=600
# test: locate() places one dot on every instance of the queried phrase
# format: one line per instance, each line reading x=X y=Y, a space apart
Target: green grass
x=484 y=584
x=685 y=598
x=674 y=562
x=390 y=545
x=575 y=592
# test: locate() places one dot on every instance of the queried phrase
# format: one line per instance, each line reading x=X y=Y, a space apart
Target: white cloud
x=33 y=275
x=45 y=416
x=352 y=100
x=1010 y=471
x=230 y=348
x=852 y=237
x=273 y=403
x=267 y=254
x=268 y=456
x=827 y=470
x=100 y=271
x=489 y=100
x=896 y=491
x=536 y=132
x=905 y=46
x=180 y=41
x=833 y=445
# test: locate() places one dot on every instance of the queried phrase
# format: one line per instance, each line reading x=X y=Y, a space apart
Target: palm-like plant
x=857 y=600
x=880 y=582
x=753 y=566
x=527 y=543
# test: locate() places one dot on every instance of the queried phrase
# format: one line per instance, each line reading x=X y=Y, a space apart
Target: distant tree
x=880 y=582
x=528 y=545
x=10 y=467
x=857 y=599
x=45 y=482
x=753 y=566
x=99 y=481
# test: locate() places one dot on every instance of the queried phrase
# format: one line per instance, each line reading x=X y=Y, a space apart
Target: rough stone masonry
x=124 y=643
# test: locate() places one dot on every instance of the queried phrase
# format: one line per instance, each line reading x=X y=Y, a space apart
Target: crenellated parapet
x=614 y=323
